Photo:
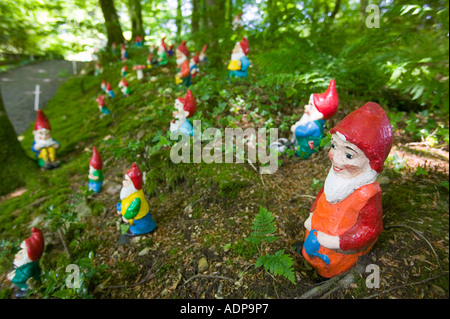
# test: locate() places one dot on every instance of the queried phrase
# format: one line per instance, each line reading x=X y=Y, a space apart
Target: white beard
x=337 y=189
x=181 y=60
x=237 y=56
x=44 y=143
x=127 y=191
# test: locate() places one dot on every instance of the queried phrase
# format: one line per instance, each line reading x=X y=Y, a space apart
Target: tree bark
x=15 y=166
x=135 y=13
x=179 y=19
x=336 y=9
x=195 y=19
x=113 y=28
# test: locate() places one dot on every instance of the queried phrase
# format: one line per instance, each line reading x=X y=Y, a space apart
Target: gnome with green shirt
x=26 y=262
x=95 y=172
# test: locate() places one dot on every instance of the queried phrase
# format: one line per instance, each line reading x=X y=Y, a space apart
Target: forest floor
x=203 y=211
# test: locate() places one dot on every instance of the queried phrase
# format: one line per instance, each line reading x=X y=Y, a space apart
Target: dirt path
x=18 y=86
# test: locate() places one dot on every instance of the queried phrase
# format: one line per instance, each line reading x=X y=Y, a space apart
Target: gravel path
x=18 y=86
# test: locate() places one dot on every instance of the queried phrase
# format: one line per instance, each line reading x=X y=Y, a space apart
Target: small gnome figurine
x=193 y=65
x=150 y=60
x=202 y=57
x=114 y=48
x=239 y=62
x=134 y=207
x=185 y=108
x=346 y=218
x=308 y=131
x=123 y=53
x=109 y=90
x=44 y=146
x=237 y=21
x=138 y=41
x=123 y=85
x=162 y=53
x=98 y=69
x=123 y=71
x=170 y=50
x=26 y=262
x=103 y=86
x=183 y=70
x=102 y=105
x=95 y=172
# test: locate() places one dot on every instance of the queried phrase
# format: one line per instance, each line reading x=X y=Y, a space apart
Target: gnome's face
x=312 y=111
x=128 y=187
x=348 y=160
x=21 y=258
x=42 y=134
x=237 y=48
x=180 y=56
x=180 y=114
x=161 y=49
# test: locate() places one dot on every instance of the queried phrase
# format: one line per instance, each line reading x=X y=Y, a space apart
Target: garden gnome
x=185 y=108
x=26 y=262
x=183 y=71
x=103 y=86
x=123 y=71
x=102 y=105
x=138 y=41
x=239 y=62
x=149 y=60
x=346 y=218
x=170 y=50
x=193 y=65
x=237 y=21
x=123 y=85
x=114 y=48
x=123 y=53
x=98 y=69
x=133 y=207
x=162 y=54
x=44 y=146
x=202 y=57
x=109 y=90
x=308 y=131
x=95 y=172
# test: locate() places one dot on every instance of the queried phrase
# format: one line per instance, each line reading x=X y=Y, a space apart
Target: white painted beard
x=181 y=60
x=127 y=191
x=237 y=56
x=44 y=143
x=337 y=189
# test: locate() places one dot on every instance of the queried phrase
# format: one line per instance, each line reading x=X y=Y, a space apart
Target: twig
x=207 y=276
x=421 y=236
x=66 y=249
x=256 y=170
x=445 y=273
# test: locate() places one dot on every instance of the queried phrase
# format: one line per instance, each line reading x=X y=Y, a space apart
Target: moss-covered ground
x=206 y=210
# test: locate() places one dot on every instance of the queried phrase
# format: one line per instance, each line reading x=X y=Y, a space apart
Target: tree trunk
x=135 y=13
x=195 y=19
x=273 y=14
x=336 y=9
x=113 y=28
x=15 y=166
x=179 y=19
x=229 y=13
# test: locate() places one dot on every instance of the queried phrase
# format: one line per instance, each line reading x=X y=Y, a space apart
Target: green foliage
x=279 y=264
x=263 y=228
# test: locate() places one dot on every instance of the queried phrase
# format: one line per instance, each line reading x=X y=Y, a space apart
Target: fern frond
x=279 y=264
x=263 y=227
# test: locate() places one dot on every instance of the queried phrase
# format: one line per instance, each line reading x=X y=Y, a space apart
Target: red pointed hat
x=41 y=121
x=108 y=86
x=124 y=82
x=196 y=57
x=163 y=44
x=35 y=244
x=100 y=100
x=189 y=103
x=327 y=102
x=204 y=48
x=244 y=45
x=183 y=48
x=136 y=176
x=96 y=160
x=370 y=130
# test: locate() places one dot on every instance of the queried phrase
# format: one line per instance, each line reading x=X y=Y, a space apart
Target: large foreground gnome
x=44 y=146
x=133 y=207
x=95 y=172
x=346 y=218
x=308 y=131
x=183 y=70
x=239 y=62
x=185 y=108
x=26 y=262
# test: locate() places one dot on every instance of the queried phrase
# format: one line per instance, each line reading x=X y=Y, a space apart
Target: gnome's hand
x=307 y=223
x=328 y=241
x=11 y=275
x=124 y=219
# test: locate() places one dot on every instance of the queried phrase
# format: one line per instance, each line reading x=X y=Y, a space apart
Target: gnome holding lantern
x=193 y=65
x=26 y=262
x=95 y=172
x=102 y=105
x=346 y=218
x=183 y=70
x=185 y=108
x=123 y=85
x=308 y=131
x=44 y=146
x=239 y=62
x=162 y=53
x=133 y=207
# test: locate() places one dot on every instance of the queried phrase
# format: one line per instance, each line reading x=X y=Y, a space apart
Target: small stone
x=83 y=210
x=383 y=180
x=144 y=251
x=202 y=265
